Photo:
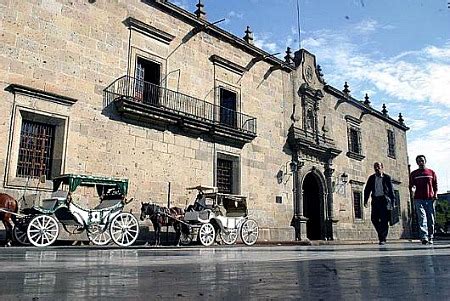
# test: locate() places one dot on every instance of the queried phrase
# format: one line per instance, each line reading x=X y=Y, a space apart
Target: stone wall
x=76 y=49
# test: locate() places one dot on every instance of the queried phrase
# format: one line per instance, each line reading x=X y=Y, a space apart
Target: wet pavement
x=328 y=272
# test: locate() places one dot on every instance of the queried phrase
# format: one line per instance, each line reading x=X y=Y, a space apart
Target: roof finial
x=200 y=12
x=384 y=110
x=288 y=58
x=400 y=119
x=366 y=100
x=346 y=90
x=248 y=35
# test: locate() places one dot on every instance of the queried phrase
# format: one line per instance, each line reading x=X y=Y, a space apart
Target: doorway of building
x=147 y=80
x=313 y=206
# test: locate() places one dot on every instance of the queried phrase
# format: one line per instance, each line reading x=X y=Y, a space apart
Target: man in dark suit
x=379 y=185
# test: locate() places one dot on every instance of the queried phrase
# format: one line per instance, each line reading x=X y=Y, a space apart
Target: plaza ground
x=400 y=269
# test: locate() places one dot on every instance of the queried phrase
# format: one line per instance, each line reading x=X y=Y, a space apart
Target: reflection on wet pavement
x=229 y=273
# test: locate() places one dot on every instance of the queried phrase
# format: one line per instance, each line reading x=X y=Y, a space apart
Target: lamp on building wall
x=293 y=166
x=340 y=182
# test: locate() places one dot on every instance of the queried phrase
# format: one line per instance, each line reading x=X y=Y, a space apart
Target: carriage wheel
x=98 y=236
x=124 y=229
x=43 y=230
x=207 y=234
x=21 y=236
x=186 y=238
x=187 y=235
x=229 y=237
x=249 y=232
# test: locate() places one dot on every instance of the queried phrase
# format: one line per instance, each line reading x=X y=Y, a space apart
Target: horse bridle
x=155 y=210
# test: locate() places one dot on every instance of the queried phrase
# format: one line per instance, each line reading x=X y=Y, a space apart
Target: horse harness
x=162 y=214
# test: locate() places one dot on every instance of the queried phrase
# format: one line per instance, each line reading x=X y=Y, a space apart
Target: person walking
x=379 y=186
x=423 y=183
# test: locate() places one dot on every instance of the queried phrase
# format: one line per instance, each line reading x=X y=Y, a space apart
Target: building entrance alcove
x=313 y=206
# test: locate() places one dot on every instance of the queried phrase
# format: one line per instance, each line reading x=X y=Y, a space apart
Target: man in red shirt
x=423 y=183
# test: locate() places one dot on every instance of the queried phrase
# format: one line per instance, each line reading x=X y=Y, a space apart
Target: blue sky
x=397 y=51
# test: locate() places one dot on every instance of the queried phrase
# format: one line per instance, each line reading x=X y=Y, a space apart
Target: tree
x=442 y=215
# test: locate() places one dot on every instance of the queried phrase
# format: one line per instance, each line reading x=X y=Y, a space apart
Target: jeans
x=425 y=218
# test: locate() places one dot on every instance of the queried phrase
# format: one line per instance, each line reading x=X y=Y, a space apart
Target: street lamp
x=340 y=182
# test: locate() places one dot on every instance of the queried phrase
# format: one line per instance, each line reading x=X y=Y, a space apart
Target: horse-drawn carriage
x=40 y=224
x=218 y=214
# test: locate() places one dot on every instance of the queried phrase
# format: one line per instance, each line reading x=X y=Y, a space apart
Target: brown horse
x=162 y=216
x=8 y=203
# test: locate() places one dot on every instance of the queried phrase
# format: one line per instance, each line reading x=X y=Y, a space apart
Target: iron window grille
x=391 y=143
x=224 y=175
x=35 y=149
x=357 y=200
x=354 y=140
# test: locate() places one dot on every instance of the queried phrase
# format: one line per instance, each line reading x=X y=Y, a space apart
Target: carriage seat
x=108 y=203
x=56 y=198
x=60 y=195
x=198 y=216
x=48 y=204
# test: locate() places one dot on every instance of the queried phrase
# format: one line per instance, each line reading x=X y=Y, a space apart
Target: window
x=354 y=140
x=357 y=204
x=391 y=143
x=227 y=174
x=147 y=81
x=35 y=149
x=224 y=175
x=228 y=114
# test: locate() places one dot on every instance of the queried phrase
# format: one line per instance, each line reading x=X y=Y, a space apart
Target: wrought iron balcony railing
x=159 y=98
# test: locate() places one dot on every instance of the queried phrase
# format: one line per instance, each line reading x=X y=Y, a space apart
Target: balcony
x=147 y=102
x=312 y=143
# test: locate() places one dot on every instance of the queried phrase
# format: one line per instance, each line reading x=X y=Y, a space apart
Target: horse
x=8 y=203
x=162 y=216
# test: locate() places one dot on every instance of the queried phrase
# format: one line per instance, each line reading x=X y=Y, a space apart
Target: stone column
x=299 y=219
x=330 y=218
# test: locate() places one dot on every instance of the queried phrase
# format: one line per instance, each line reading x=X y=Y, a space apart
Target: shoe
x=382 y=243
x=430 y=242
x=424 y=241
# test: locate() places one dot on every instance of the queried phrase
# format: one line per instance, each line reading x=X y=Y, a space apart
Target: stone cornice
x=36 y=93
x=355 y=156
x=148 y=30
x=352 y=119
x=305 y=89
x=357 y=183
x=364 y=108
x=229 y=65
x=202 y=25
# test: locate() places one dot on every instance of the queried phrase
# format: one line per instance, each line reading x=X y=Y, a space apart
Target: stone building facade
x=150 y=92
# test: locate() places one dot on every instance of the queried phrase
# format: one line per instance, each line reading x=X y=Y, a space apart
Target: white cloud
x=419 y=76
x=434 y=112
x=264 y=41
x=367 y=26
x=436 y=147
x=233 y=15
x=417 y=124
x=439 y=53
x=237 y=15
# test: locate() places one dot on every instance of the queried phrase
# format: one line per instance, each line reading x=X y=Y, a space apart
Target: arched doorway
x=313 y=206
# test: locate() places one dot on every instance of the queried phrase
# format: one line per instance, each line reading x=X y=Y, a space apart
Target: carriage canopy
x=101 y=183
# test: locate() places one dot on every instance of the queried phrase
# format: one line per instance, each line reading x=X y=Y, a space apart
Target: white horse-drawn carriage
x=218 y=214
x=40 y=224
